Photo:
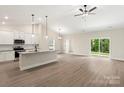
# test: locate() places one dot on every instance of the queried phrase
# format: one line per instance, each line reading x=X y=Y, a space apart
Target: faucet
x=36 y=47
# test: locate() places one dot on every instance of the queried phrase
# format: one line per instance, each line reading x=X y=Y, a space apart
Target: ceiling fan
x=85 y=11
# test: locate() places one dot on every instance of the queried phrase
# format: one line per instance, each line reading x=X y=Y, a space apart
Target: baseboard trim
x=122 y=60
x=77 y=54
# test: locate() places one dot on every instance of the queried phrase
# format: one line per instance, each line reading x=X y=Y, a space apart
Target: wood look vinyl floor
x=69 y=71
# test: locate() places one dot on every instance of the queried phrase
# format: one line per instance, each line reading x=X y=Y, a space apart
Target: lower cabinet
x=7 y=56
x=1 y=57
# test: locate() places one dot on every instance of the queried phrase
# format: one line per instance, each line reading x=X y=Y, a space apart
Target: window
x=100 y=47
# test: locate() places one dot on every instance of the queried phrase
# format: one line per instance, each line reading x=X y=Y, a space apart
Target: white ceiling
x=107 y=17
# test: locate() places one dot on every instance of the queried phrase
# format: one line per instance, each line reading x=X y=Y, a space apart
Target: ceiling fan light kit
x=85 y=12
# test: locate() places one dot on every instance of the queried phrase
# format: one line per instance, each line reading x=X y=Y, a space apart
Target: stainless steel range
x=18 y=47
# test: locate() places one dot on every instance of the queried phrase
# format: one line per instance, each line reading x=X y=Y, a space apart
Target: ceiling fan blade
x=81 y=10
x=78 y=15
x=92 y=9
x=91 y=13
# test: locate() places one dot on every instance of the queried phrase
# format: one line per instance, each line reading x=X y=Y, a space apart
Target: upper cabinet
x=6 y=37
x=25 y=36
x=29 y=39
x=19 y=35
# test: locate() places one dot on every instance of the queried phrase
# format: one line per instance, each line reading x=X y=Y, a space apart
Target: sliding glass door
x=95 y=46
x=104 y=47
x=100 y=47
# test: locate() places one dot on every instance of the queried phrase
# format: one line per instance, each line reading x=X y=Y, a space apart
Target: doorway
x=67 y=46
x=100 y=47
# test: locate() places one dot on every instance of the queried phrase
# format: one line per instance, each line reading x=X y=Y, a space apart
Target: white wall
x=80 y=43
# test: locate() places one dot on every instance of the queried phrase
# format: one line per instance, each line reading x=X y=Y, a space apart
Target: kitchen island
x=32 y=59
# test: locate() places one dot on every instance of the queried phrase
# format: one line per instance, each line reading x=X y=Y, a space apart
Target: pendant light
x=59 y=37
x=46 y=33
x=33 y=25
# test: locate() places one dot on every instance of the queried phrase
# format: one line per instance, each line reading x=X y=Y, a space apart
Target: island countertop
x=33 y=59
x=31 y=52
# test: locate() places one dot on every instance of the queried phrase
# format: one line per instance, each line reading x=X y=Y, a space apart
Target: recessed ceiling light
x=3 y=22
x=6 y=17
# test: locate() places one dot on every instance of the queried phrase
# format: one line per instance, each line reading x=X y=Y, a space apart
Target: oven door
x=16 y=54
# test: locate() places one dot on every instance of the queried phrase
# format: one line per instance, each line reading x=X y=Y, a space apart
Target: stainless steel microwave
x=19 y=41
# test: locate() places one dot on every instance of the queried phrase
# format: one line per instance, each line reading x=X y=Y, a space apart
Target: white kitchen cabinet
x=7 y=56
x=19 y=35
x=22 y=35
x=6 y=37
x=10 y=55
x=25 y=36
x=16 y=35
x=30 y=40
x=1 y=57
